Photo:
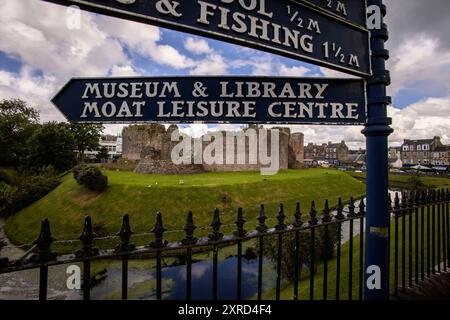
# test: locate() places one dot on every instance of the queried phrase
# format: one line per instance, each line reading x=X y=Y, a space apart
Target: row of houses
x=430 y=153
x=332 y=153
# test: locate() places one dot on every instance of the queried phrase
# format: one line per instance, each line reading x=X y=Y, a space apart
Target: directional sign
x=352 y=10
x=214 y=100
x=290 y=28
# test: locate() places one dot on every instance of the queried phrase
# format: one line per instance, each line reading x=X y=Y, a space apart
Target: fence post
x=125 y=246
x=158 y=243
x=377 y=130
x=87 y=239
x=189 y=239
x=44 y=255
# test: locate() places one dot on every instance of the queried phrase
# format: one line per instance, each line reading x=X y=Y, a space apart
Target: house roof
x=422 y=141
x=357 y=157
x=442 y=149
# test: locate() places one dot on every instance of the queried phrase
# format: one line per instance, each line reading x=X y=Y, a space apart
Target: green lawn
x=141 y=196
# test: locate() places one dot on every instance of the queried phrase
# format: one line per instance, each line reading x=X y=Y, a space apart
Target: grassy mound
x=141 y=196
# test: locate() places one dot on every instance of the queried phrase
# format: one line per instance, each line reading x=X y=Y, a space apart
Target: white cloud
x=263 y=64
x=213 y=64
x=419 y=59
x=197 y=46
x=424 y=119
x=36 y=90
x=299 y=71
x=335 y=74
x=123 y=71
x=46 y=44
x=143 y=39
x=195 y=130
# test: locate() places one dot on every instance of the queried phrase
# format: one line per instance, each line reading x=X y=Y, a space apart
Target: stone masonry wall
x=151 y=145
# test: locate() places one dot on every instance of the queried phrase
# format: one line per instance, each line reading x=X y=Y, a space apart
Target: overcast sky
x=38 y=54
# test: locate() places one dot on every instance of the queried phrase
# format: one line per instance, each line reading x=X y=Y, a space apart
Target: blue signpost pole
x=377 y=131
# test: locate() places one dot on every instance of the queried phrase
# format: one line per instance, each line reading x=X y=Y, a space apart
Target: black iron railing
x=421 y=219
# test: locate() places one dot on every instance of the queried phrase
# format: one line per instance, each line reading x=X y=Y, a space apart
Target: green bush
x=29 y=189
x=77 y=169
x=6 y=196
x=90 y=177
x=321 y=253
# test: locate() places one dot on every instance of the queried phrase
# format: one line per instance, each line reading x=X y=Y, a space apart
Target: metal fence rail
x=424 y=232
x=421 y=219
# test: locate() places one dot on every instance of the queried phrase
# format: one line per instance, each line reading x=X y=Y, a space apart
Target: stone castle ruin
x=151 y=147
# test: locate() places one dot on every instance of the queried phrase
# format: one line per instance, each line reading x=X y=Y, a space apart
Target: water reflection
x=227 y=279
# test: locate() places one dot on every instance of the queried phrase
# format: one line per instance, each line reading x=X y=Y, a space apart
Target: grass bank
x=141 y=196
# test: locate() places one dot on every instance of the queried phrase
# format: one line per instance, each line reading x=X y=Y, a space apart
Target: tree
x=87 y=137
x=415 y=183
x=17 y=123
x=102 y=154
x=52 y=144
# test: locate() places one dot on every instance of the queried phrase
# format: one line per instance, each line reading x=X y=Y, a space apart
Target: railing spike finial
x=326 y=212
x=44 y=242
x=340 y=210
x=281 y=218
x=298 y=216
x=262 y=227
x=216 y=235
x=396 y=202
x=411 y=199
x=87 y=239
x=362 y=208
x=313 y=214
x=429 y=196
x=418 y=197
x=125 y=234
x=351 y=208
x=158 y=230
x=423 y=197
x=438 y=196
x=404 y=202
x=189 y=229
x=240 y=222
